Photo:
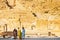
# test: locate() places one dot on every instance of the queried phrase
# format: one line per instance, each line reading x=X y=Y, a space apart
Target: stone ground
x=31 y=39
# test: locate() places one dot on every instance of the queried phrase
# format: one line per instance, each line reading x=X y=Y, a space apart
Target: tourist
x=19 y=34
x=23 y=32
x=15 y=33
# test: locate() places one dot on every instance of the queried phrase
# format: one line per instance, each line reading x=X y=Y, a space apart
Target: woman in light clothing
x=23 y=32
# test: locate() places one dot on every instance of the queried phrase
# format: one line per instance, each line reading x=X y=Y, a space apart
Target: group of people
x=19 y=33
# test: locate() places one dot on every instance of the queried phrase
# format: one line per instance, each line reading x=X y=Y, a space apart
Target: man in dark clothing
x=15 y=33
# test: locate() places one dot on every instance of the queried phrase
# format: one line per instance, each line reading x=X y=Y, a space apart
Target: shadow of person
x=19 y=39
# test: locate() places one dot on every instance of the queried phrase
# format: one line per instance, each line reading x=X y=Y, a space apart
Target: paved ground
x=31 y=39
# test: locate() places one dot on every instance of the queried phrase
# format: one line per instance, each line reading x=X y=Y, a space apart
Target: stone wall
x=47 y=14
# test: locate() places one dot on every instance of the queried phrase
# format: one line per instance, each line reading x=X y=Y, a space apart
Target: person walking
x=19 y=34
x=23 y=32
x=15 y=33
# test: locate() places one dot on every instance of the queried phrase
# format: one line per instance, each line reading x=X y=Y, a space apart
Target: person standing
x=19 y=34
x=15 y=33
x=23 y=32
